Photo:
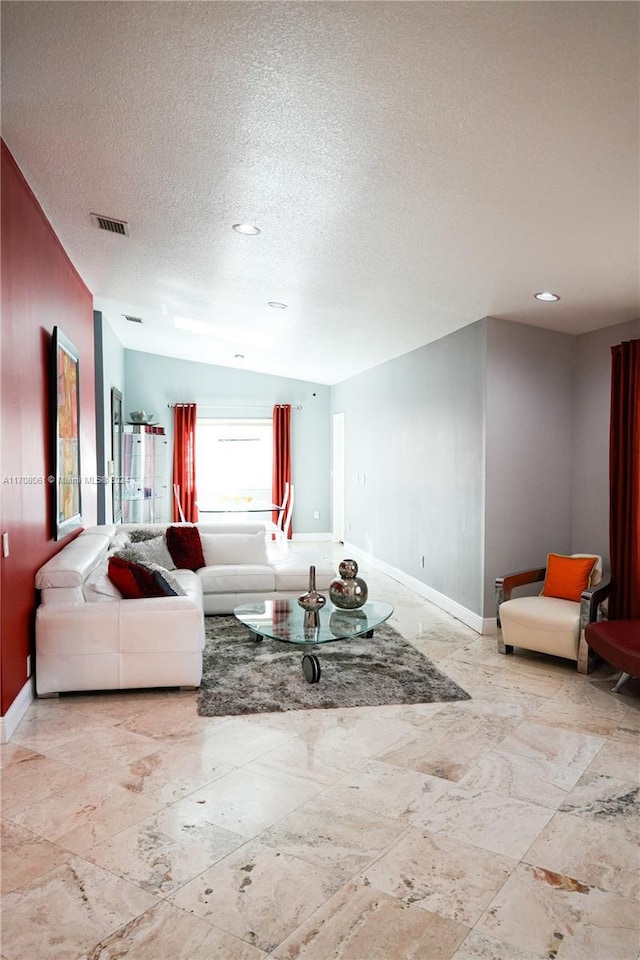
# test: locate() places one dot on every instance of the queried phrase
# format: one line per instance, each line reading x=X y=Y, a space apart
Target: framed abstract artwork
x=116 y=454
x=66 y=478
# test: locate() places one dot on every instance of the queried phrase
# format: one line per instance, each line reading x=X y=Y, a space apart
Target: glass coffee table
x=285 y=620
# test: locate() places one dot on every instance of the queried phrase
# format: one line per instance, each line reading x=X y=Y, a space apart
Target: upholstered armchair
x=280 y=529
x=554 y=621
x=617 y=642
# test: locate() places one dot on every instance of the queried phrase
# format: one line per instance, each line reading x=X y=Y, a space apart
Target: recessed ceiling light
x=547 y=296
x=277 y=305
x=249 y=229
x=238 y=356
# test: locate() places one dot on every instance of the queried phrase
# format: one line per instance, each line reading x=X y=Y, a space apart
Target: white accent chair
x=548 y=624
x=176 y=497
x=288 y=513
x=279 y=530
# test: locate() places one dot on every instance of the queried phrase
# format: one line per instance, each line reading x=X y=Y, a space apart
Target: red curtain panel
x=624 y=480
x=281 y=454
x=184 y=460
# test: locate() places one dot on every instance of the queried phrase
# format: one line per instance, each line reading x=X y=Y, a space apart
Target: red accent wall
x=40 y=289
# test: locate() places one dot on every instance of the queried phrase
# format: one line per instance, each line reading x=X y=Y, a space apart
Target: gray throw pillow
x=119 y=542
x=153 y=551
x=143 y=533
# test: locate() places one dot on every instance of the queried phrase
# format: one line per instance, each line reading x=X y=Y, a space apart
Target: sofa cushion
x=237 y=578
x=230 y=526
x=549 y=614
x=292 y=573
x=547 y=624
x=133 y=580
x=234 y=548
x=190 y=583
x=185 y=547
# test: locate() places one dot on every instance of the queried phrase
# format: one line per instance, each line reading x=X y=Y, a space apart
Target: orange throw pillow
x=567 y=577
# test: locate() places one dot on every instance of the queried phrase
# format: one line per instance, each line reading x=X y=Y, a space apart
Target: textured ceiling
x=413 y=167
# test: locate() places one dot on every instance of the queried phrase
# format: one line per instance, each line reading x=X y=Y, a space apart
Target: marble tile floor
x=505 y=827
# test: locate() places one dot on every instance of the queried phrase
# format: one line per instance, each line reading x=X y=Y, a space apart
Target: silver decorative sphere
x=348 y=591
x=348 y=569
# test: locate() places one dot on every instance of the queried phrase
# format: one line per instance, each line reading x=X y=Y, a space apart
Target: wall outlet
x=29 y=666
x=316 y=514
x=5 y=544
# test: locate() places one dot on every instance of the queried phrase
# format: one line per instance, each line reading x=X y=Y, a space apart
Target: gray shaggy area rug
x=241 y=675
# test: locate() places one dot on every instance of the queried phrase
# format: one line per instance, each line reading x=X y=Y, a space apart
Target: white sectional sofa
x=89 y=638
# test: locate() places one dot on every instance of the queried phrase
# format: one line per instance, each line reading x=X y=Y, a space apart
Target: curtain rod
x=236 y=406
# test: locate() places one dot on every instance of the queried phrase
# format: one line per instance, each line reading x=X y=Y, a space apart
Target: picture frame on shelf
x=65 y=478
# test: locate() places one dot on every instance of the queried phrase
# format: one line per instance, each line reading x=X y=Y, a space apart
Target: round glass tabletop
x=286 y=620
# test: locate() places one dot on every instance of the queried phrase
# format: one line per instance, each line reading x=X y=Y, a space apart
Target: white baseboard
x=311 y=537
x=15 y=713
x=483 y=625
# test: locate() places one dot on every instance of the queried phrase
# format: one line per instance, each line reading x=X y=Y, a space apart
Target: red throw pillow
x=132 y=580
x=185 y=547
x=567 y=577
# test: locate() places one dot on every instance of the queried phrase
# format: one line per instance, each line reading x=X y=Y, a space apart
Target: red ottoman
x=617 y=642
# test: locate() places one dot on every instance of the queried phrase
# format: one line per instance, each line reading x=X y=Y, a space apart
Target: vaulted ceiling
x=412 y=168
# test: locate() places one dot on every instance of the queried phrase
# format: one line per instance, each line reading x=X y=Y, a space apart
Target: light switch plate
x=5 y=544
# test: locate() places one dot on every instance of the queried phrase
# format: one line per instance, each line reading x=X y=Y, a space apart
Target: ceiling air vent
x=133 y=319
x=110 y=225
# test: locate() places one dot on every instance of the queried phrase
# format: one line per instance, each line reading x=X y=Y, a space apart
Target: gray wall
x=482 y=451
x=414 y=427
x=592 y=404
x=529 y=402
x=109 y=355
x=152 y=382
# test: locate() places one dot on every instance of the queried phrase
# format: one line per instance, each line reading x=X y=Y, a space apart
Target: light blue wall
x=152 y=382
x=415 y=429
